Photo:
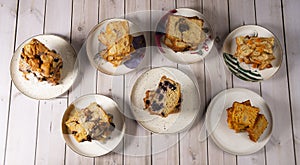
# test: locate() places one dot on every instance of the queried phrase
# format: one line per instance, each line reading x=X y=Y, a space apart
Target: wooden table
x=30 y=129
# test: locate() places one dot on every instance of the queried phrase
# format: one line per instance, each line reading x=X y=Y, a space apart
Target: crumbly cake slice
x=118 y=42
x=233 y=125
x=184 y=33
x=244 y=114
x=165 y=99
x=90 y=123
x=257 y=51
x=43 y=63
x=259 y=127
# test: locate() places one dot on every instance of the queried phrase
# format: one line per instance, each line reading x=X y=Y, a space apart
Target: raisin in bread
x=165 y=99
x=43 y=63
x=90 y=123
x=184 y=33
x=118 y=42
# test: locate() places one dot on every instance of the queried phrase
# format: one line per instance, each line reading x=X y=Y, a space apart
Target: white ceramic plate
x=186 y=57
x=242 y=70
x=226 y=138
x=96 y=148
x=94 y=47
x=176 y=122
x=42 y=90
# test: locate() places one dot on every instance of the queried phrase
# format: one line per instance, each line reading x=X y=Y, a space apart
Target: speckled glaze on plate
x=95 y=148
x=245 y=71
x=42 y=90
x=176 y=122
x=226 y=138
x=185 y=57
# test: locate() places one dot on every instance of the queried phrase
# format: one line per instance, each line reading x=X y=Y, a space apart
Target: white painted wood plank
x=104 y=82
x=137 y=141
x=170 y=152
x=217 y=14
x=85 y=16
x=193 y=151
x=292 y=34
x=8 y=12
x=275 y=91
x=21 y=138
x=50 y=144
x=245 y=15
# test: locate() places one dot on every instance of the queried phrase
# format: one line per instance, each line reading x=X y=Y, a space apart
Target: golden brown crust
x=243 y=117
x=257 y=51
x=118 y=42
x=183 y=33
x=165 y=99
x=36 y=58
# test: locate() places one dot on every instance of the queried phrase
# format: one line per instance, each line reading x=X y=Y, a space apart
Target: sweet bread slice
x=184 y=33
x=42 y=63
x=243 y=114
x=165 y=99
x=90 y=123
x=259 y=127
x=118 y=42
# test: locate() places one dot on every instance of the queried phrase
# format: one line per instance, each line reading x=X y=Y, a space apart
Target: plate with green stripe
x=245 y=71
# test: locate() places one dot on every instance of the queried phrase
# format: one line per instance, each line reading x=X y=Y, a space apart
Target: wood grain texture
x=22 y=128
x=192 y=150
x=243 y=16
x=8 y=16
x=50 y=147
x=84 y=17
x=104 y=82
x=292 y=36
x=275 y=91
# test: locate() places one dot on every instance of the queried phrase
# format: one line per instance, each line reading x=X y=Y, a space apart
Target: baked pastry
x=257 y=51
x=243 y=117
x=38 y=60
x=118 y=42
x=184 y=33
x=257 y=130
x=90 y=123
x=165 y=99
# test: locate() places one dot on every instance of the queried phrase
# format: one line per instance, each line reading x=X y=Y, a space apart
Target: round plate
x=186 y=57
x=242 y=70
x=42 y=90
x=176 y=122
x=227 y=139
x=96 y=148
x=94 y=47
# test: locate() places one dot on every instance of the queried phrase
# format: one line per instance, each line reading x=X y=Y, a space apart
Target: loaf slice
x=90 y=123
x=257 y=130
x=40 y=62
x=165 y=99
x=244 y=115
x=183 y=33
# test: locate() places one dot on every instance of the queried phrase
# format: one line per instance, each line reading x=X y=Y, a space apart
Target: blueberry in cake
x=184 y=33
x=165 y=99
x=90 y=123
x=44 y=64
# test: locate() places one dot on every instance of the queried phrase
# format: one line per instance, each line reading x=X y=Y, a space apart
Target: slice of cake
x=183 y=33
x=118 y=42
x=43 y=63
x=243 y=114
x=90 y=123
x=165 y=99
x=259 y=127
